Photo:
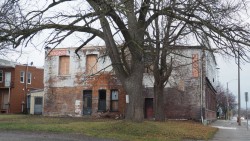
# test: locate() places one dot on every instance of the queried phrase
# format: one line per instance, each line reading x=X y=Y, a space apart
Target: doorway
x=38 y=107
x=102 y=101
x=149 y=111
x=7 y=79
x=87 y=102
x=4 y=102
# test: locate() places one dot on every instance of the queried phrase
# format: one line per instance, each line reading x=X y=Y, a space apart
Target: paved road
x=229 y=130
x=31 y=136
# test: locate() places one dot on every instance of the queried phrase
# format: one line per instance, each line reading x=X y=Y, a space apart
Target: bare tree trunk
x=159 y=104
x=134 y=88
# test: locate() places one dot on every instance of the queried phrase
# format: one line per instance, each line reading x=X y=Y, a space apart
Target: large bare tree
x=7 y=13
x=191 y=22
x=128 y=28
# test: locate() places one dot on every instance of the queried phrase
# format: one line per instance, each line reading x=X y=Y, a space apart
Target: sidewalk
x=229 y=130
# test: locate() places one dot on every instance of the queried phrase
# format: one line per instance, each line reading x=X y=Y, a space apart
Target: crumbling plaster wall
x=183 y=96
x=183 y=91
x=211 y=67
x=77 y=68
x=61 y=92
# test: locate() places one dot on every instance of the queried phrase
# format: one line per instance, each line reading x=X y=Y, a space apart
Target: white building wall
x=182 y=73
x=148 y=80
x=77 y=67
x=181 y=76
x=211 y=65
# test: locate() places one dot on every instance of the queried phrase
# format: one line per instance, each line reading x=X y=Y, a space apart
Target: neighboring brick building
x=14 y=86
x=81 y=85
x=190 y=93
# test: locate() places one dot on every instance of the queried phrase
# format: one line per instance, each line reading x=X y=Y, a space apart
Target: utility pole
x=246 y=98
x=239 y=120
x=227 y=103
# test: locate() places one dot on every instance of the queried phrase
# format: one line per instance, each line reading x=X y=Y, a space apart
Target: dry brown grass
x=106 y=128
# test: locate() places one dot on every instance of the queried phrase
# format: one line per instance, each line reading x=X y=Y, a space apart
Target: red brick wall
x=210 y=112
x=61 y=100
x=106 y=82
x=186 y=104
x=179 y=104
x=18 y=91
x=182 y=104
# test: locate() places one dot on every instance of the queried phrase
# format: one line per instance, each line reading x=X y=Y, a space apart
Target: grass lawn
x=107 y=128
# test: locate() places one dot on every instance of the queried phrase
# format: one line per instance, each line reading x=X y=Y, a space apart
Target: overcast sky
x=228 y=72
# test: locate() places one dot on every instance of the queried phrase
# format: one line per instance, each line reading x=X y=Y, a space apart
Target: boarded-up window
x=114 y=100
x=91 y=65
x=148 y=68
x=63 y=65
x=181 y=85
x=195 y=65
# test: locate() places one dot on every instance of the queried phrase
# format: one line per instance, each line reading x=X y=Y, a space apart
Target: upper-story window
x=22 y=74
x=29 y=77
x=91 y=64
x=1 y=75
x=63 y=65
x=148 y=68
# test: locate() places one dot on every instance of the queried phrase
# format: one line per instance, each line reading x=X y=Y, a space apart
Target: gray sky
x=228 y=72
x=30 y=54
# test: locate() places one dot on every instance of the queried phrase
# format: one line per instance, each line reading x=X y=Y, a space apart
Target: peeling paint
x=64 y=94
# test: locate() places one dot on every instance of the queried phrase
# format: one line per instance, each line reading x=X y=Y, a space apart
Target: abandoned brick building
x=86 y=84
x=16 y=81
x=190 y=92
x=81 y=85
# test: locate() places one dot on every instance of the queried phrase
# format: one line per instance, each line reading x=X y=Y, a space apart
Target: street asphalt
x=229 y=130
